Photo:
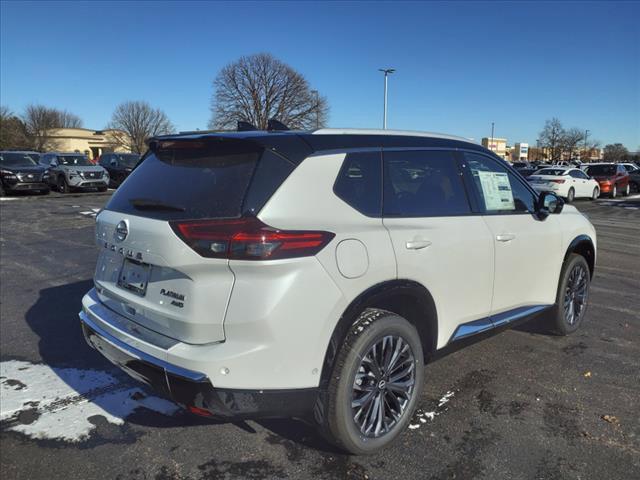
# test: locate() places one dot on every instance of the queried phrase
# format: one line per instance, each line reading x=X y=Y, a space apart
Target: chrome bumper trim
x=136 y=354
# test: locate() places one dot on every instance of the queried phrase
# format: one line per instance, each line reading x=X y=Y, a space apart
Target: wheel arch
x=406 y=298
x=583 y=245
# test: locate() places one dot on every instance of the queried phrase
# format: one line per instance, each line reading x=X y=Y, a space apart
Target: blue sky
x=460 y=65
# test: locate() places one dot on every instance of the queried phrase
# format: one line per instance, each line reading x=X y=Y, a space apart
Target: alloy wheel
x=383 y=386
x=575 y=297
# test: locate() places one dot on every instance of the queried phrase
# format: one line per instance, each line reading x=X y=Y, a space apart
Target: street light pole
x=491 y=144
x=387 y=72
x=586 y=135
x=317 y=109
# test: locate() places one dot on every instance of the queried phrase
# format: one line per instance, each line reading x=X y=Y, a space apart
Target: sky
x=460 y=66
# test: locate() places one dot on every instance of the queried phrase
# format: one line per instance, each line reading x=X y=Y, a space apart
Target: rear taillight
x=557 y=181
x=248 y=239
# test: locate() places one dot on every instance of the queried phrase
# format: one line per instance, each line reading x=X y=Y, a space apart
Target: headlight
x=7 y=173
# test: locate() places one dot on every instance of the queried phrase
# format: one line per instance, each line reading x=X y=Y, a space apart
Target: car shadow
x=54 y=319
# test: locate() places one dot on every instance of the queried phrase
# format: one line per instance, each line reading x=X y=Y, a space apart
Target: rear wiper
x=147 y=204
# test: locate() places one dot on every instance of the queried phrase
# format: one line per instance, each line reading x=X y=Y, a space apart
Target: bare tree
x=258 y=87
x=137 y=121
x=571 y=141
x=615 y=153
x=13 y=132
x=39 y=119
x=551 y=137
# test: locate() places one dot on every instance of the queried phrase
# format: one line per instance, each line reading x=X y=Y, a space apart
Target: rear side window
x=359 y=182
x=187 y=179
x=423 y=184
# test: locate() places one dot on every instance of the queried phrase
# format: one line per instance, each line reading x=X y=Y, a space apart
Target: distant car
x=524 y=168
x=119 y=166
x=631 y=167
x=19 y=171
x=612 y=177
x=634 y=181
x=71 y=171
x=566 y=182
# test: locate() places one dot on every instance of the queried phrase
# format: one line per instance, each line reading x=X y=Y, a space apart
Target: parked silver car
x=74 y=171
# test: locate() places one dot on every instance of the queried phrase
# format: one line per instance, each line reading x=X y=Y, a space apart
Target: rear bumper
x=193 y=389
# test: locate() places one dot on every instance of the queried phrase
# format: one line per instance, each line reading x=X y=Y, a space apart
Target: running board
x=501 y=319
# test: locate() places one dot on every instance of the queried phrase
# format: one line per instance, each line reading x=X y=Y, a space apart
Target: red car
x=613 y=178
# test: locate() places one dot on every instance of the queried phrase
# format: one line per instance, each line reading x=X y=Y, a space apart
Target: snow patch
x=56 y=403
x=421 y=417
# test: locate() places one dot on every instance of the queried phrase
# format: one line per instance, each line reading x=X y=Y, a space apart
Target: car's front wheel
x=614 y=191
x=626 y=191
x=63 y=186
x=375 y=383
x=572 y=296
x=595 y=194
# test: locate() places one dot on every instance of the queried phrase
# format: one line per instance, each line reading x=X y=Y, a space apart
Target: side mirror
x=54 y=163
x=113 y=163
x=549 y=204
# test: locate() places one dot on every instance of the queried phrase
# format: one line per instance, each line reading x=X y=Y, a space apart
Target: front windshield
x=551 y=171
x=596 y=170
x=128 y=160
x=12 y=159
x=79 y=160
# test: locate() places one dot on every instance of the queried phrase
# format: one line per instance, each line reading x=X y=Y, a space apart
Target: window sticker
x=496 y=190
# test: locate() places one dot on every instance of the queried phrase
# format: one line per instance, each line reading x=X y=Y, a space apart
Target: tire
x=63 y=186
x=626 y=191
x=571 y=195
x=572 y=297
x=635 y=187
x=614 y=192
x=335 y=413
x=595 y=194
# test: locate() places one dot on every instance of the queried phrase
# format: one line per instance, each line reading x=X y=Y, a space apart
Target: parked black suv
x=119 y=166
x=19 y=171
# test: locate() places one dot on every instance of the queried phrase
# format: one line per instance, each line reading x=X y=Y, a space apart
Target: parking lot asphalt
x=518 y=405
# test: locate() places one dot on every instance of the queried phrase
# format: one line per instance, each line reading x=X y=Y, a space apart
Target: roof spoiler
x=245 y=126
x=275 y=125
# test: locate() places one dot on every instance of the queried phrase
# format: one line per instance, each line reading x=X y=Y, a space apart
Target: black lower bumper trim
x=224 y=403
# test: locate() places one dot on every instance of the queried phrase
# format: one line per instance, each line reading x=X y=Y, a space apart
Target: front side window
x=359 y=182
x=499 y=191
x=578 y=174
x=423 y=184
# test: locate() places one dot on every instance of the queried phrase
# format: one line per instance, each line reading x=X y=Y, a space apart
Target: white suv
x=312 y=274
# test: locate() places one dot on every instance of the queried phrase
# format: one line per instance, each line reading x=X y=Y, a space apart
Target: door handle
x=505 y=237
x=417 y=244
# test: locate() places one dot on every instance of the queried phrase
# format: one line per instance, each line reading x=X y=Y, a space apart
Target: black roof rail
x=276 y=125
x=246 y=126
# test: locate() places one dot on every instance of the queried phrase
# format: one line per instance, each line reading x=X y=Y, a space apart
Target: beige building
x=497 y=145
x=93 y=143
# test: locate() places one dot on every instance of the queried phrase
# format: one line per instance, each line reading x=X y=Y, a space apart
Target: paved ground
x=519 y=405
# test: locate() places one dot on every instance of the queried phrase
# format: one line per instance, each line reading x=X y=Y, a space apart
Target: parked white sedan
x=566 y=182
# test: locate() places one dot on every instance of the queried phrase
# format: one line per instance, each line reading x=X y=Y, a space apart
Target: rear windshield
x=127 y=159
x=552 y=171
x=201 y=179
x=601 y=170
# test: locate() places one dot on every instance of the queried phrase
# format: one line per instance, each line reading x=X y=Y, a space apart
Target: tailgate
x=177 y=293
